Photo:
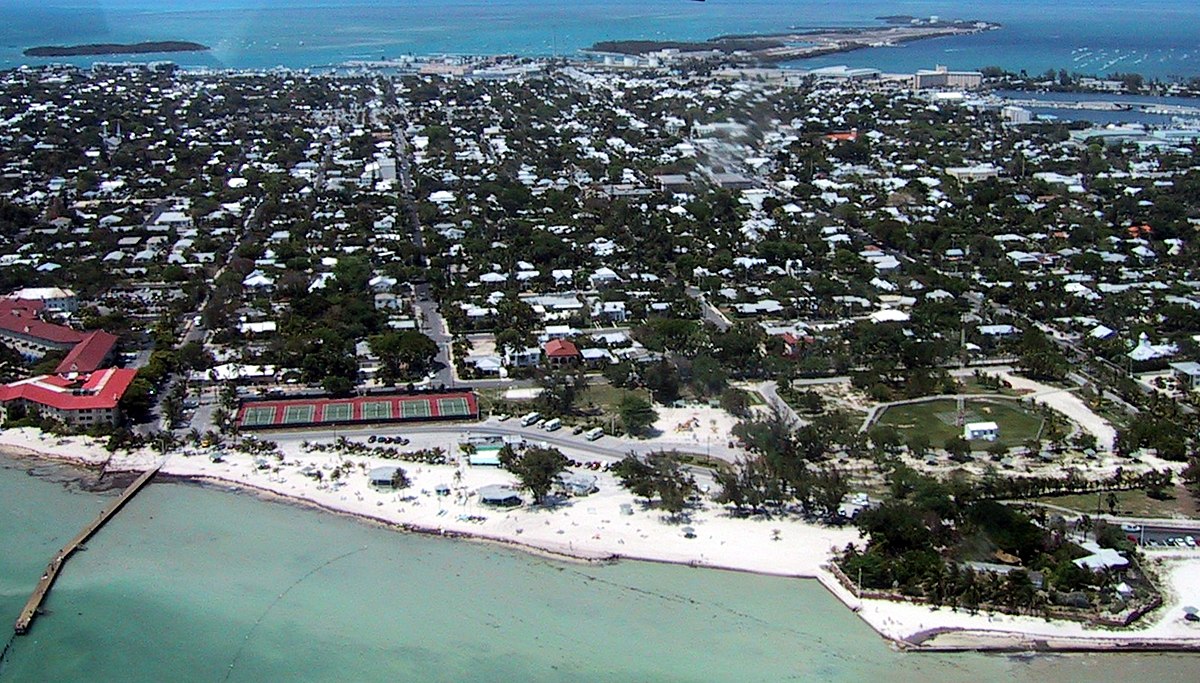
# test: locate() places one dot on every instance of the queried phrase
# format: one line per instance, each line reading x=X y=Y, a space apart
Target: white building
x=987 y=431
x=54 y=298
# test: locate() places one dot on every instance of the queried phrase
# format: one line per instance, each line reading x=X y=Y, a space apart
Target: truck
x=530 y=418
x=594 y=434
x=552 y=425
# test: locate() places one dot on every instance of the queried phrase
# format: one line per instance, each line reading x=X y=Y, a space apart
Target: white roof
x=982 y=427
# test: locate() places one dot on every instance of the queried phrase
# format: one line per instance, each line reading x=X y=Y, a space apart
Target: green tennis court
x=299 y=414
x=453 y=407
x=258 y=416
x=377 y=410
x=338 y=412
x=415 y=409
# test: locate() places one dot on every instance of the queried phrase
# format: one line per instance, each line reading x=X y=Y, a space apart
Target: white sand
x=698 y=429
x=594 y=527
x=1067 y=403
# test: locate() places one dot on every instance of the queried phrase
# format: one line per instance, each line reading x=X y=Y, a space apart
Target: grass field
x=1130 y=503
x=607 y=398
x=939 y=418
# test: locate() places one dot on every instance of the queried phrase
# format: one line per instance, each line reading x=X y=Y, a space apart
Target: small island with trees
x=115 y=49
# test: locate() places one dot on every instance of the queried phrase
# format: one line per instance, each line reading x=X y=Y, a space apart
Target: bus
x=530 y=419
x=552 y=425
x=594 y=434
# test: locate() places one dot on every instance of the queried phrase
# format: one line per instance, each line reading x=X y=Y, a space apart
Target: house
x=603 y=277
x=986 y=431
x=499 y=495
x=1101 y=558
x=1188 y=374
x=384 y=477
x=791 y=344
x=561 y=352
x=576 y=483
x=82 y=401
x=1145 y=352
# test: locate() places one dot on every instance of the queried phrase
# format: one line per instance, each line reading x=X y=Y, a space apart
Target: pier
x=34 y=605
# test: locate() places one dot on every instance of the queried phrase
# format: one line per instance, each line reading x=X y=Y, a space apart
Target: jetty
x=34 y=605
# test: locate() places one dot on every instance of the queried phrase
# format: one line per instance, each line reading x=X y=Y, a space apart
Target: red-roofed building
x=89 y=355
x=32 y=337
x=843 y=135
x=561 y=352
x=83 y=401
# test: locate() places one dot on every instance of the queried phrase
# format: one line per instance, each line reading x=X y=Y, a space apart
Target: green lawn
x=970 y=385
x=1129 y=503
x=606 y=397
x=938 y=419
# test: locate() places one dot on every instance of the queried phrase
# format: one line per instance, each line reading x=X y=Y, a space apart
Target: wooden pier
x=56 y=564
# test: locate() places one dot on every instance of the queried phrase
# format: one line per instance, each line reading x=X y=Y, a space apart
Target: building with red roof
x=22 y=328
x=89 y=355
x=561 y=351
x=80 y=401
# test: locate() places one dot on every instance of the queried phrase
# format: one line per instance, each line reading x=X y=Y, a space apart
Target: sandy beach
x=611 y=524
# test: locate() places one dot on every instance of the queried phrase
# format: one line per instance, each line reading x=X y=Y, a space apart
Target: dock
x=34 y=605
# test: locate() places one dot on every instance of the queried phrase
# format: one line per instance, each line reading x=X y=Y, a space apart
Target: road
x=605 y=449
x=432 y=322
x=710 y=312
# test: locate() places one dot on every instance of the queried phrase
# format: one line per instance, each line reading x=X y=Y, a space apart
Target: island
x=114 y=49
x=799 y=44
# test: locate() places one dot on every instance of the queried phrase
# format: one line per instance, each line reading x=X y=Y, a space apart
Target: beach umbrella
x=688 y=532
x=1190 y=610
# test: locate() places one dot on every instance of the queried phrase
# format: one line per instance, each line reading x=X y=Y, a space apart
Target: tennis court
x=453 y=407
x=258 y=416
x=362 y=410
x=415 y=409
x=299 y=414
x=338 y=412
x=376 y=410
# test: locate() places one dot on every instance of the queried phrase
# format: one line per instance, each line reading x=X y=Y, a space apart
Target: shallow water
x=192 y=583
x=1158 y=38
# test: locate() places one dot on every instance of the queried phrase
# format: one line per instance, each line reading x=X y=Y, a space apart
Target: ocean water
x=1159 y=38
x=200 y=584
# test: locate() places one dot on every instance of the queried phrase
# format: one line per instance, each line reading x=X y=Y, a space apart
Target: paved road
x=710 y=312
x=606 y=449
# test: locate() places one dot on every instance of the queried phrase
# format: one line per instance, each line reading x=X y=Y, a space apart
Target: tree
x=658 y=475
x=829 y=487
x=1039 y=357
x=958 y=448
x=662 y=379
x=403 y=355
x=138 y=398
x=400 y=479
x=736 y=402
x=336 y=385
x=560 y=389
x=637 y=414
x=918 y=443
x=536 y=468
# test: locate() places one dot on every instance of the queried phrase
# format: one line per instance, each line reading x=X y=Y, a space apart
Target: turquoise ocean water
x=200 y=584
x=1159 y=38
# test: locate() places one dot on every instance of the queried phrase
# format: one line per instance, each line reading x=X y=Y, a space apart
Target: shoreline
x=907 y=626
